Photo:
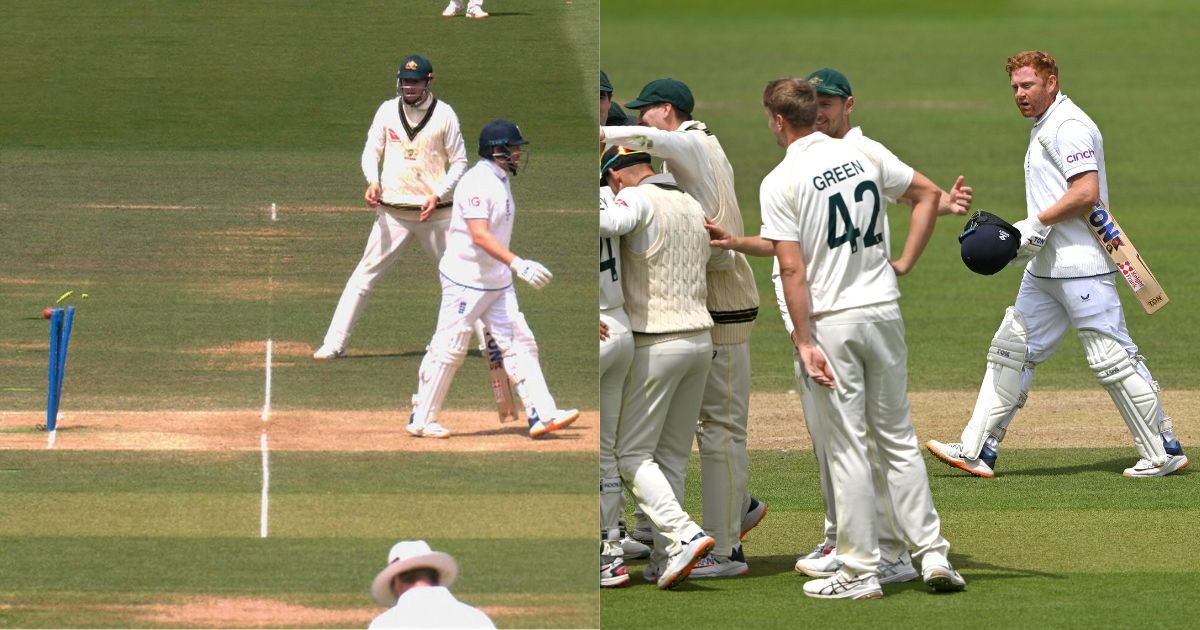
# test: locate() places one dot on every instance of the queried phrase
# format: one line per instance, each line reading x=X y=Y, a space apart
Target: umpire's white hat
x=407 y=555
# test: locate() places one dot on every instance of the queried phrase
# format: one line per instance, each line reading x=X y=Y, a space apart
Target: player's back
x=836 y=195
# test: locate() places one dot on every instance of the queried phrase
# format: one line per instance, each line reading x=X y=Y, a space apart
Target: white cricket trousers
x=390 y=236
x=864 y=424
x=655 y=431
x=721 y=437
x=616 y=357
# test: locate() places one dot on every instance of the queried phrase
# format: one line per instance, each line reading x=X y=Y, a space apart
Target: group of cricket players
x=678 y=302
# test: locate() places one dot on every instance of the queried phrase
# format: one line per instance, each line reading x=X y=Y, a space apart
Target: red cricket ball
x=47 y=312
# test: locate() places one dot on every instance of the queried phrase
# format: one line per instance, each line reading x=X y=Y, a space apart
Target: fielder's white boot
x=820 y=562
x=902 y=570
x=953 y=454
x=939 y=575
x=630 y=548
x=454 y=8
x=681 y=564
x=476 y=12
x=714 y=566
x=754 y=516
x=1143 y=468
x=325 y=353
x=841 y=586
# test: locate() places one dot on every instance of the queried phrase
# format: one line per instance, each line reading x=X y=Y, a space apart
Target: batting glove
x=1033 y=238
x=530 y=271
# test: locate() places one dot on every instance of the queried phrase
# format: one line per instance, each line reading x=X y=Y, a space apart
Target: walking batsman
x=1068 y=281
x=697 y=161
x=820 y=206
x=477 y=276
x=664 y=250
x=419 y=140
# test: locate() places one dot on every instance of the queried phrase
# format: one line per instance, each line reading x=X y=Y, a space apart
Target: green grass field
x=141 y=146
x=1060 y=539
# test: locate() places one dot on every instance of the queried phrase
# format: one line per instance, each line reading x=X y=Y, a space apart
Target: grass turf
x=929 y=82
x=1058 y=539
x=80 y=529
x=194 y=119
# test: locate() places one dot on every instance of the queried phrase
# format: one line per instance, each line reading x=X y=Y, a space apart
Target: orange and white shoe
x=952 y=454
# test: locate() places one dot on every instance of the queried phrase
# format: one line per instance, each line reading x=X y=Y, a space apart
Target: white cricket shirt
x=430 y=607
x=615 y=220
x=1070 y=251
x=880 y=155
x=485 y=192
x=829 y=196
x=416 y=148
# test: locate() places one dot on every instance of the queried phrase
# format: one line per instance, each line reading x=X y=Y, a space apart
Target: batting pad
x=1004 y=389
x=1136 y=399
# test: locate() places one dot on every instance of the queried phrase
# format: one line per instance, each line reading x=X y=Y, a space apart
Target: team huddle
x=424 y=161
x=678 y=303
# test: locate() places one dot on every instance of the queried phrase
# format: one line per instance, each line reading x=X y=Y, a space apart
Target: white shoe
x=953 y=454
x=612 y=572
x=452 y=9
x=562 y=418
x=681 y=564
x=643 y=532
x=1145 y=469
x=633 y=550
x=429 y=429
x=753 y=516
x=902 y=570
x=820 y=562
x=841 y=587
x=476 y=12
x=325 y=353
x=939 y=575
x=714 y=566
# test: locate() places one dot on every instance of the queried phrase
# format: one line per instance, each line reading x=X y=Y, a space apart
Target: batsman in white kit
x=1068 y=282
x=419 y=140
x=821 y=208
x=477 y=284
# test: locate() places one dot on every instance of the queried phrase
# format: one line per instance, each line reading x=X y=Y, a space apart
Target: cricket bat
x=1115 y=242
x=506 y=406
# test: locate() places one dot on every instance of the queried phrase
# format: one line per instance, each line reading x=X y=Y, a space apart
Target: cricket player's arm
x=372 y=152
x=617 y=215
x=749 y=245
x=926 y=197
x=668 y=145
x=1083 y=192
x=796 y=294
x=483 y=238
x=456 y=150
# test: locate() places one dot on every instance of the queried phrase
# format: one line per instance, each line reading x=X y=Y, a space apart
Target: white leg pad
x=1003 y=390
x=1136 y=399
x=442 y=357
x=521 y=363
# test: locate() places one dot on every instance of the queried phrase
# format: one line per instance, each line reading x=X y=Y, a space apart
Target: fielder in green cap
x=694 y=156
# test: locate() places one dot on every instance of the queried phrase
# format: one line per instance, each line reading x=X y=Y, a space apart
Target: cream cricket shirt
x=416 y=148
x=829 y=196
x=1071 y=251
x=484 y=193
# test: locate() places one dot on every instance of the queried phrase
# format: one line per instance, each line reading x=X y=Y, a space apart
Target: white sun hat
x=407 y=555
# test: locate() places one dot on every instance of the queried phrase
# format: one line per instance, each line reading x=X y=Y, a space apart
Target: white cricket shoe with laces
x=682 y=563
x=325 y=353
x=476 y=13
x=939 y=575
x=820 y=562
x=902 y=570
x=562 y=418
x=840 y=586
x=952 y=454
x=630 y=548
x=452 y=9
x=714 y=566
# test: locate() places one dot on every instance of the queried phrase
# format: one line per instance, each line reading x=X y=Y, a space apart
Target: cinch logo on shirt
x=1082 y=155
